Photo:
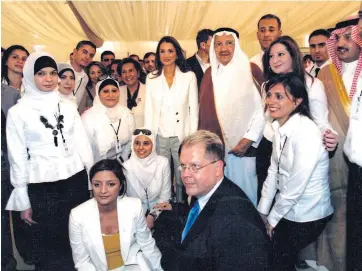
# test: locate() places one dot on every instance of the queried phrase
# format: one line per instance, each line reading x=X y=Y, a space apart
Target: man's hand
x=241 y=148
x=330 y=140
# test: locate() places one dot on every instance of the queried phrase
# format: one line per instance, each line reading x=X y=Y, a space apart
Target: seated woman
x=297 y=176
x=66 y=83
x=108 y=124
x=109 y=231
x=148 y=175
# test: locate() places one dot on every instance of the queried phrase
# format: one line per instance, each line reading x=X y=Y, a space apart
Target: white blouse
x=139 y=110
x=33 y=156
x=158 y=191
x=102 y=134
x=302 y=183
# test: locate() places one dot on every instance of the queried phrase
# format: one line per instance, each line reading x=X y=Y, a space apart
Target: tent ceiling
x=54 y=24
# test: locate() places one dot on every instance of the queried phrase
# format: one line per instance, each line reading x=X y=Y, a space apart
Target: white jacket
x=137 y=244
x=185 y=106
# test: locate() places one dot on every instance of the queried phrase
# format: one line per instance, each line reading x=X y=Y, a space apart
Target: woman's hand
x=264 y=218
x=242 y=147
x=150 y=220
x=269 y=230
x=330 y=140
x=163 y=206
x=27 y=216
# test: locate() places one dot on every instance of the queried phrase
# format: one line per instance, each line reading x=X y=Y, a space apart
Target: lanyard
x=148 y=203
x=75 y=92
x=280 y=157
x=119 y=125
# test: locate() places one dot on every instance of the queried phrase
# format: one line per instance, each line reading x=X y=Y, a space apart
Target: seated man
x=223 y=229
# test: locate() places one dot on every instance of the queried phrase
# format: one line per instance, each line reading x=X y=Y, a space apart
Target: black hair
x=110 y=165
x=180 y=58
x=106 y=53
x=136 y=65
x=293 y=49
x=2 y=49
x=85 y=42
x=307 y=57
x=134 y=55
x=4 y=60
x=203 y=35
x=319 y=32
x=228 y=29
x=115 y=61
x=147 y=55
x=295 y=87
x=271 y=16
x=87 y=70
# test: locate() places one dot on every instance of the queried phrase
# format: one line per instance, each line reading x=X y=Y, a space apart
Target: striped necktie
x=194 y=212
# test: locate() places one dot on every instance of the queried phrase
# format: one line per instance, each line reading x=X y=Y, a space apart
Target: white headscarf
x=115 y=113
x=70 y=97
x=144 y=168
x=233 y=82
x=43 y=101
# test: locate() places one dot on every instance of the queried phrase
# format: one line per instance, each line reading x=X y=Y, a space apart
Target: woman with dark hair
x=94 y=70
x=297 y=176
x=109 y=231
x=48 y=153
x=134 y=91
x=109 y=124
x=171 y=108
x=12 y=64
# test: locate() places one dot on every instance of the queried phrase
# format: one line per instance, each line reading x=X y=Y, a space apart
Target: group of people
x=215 y=162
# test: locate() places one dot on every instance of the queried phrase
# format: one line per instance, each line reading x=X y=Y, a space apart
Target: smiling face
x=16 y=61
x=168 y=54
x=109 y=96
x=84 y=55
x=67 y=83
x=347 y=50
x=94 y=73
x=106 y=187
x=280 y=60
x=224 y=48
x=268 y=31
x=142 y=146
x=46 y=79
x=129 y=74
x=280 y=103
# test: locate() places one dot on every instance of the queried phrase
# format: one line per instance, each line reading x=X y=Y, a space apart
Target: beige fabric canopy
x=128 y=27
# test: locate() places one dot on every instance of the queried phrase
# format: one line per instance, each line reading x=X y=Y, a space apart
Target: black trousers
x=263 y=155
x=289 y=238
x=51 y=204
x=354 y=218
x=8 y=262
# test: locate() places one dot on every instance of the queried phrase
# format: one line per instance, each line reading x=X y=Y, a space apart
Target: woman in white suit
x=171 y=109
x=148 y=175
x=109 y=231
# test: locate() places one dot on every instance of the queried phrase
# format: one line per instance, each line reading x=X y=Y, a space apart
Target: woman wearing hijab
x=48 y=151
x=66 y=83
x=171 y=106
x=108 y=124
x=12 y=65
x=134 y=91
x=148 y=175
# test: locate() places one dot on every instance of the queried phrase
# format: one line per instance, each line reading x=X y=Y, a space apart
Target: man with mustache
x=343 y=83
x=269 y=29
x=318 y=50
x=231 y=107
x=82 y=55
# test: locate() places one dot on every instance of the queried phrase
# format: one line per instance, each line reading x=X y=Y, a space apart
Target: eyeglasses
x=106 y=76
x=194 y=168
x=143 y=131
x=107 y=59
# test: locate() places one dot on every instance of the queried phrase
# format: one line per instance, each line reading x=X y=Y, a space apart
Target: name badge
x=357 y=108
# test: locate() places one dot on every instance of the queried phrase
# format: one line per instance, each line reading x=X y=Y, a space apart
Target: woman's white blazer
x=137 y=244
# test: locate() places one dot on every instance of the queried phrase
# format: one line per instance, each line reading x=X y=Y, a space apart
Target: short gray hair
x=213 y=144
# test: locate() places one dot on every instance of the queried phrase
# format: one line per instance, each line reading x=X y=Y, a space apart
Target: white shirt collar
x=288 y=127
x=205 y=198
x=349 y=67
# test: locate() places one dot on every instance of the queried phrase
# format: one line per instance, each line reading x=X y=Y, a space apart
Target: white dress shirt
x=204 y=66
x=205 y=198
x=302 y=181
x=348 y=71
x=81 y=81
x=258 y=60
x=313 y=70
x=28 y=137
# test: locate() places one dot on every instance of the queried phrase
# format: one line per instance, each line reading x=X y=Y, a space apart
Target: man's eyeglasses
x=194 y=168
x=108 y=59
x=143 y=131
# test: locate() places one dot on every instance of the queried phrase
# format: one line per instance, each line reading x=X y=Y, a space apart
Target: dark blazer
x=9 y=97
x=196 y=68
x=228 y=234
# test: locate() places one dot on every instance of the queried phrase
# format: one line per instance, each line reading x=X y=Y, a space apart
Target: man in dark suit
x=223 y=229
x=199 y=62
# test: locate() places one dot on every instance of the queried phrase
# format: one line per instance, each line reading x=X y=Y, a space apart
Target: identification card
x=65 y=149
x=357 y=108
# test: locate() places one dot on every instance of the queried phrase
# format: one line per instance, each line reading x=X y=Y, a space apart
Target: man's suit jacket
x=228 y=234
x=196 y=68
x=87 y=243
